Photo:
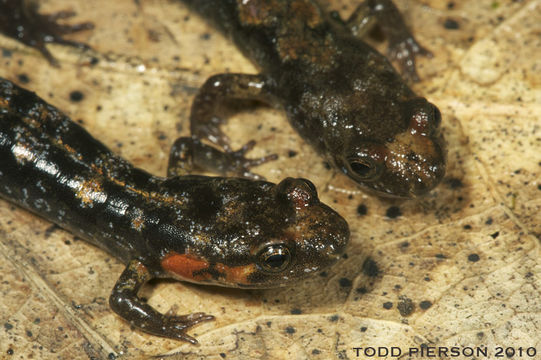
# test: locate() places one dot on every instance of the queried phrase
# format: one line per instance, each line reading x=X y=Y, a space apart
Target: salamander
x=231 y=232
x=20 y=20
x=341 y=95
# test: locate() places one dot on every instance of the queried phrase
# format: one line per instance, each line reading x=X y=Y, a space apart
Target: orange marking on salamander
x=236 y=274
x=184 y=266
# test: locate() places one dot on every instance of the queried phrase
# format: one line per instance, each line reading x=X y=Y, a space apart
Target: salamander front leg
x=205 y=118
x=125 y=302
x=402 y=45
x=190 y=154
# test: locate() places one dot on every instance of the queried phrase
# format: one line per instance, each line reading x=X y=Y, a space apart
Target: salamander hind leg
x=403 y=47
x=125 y=302
x=189 y=154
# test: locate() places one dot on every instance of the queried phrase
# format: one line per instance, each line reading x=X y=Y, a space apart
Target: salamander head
x=313 y=236
x=264 y=235
x=409 y=163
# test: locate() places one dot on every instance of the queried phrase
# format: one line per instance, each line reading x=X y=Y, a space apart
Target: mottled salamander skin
x=20 y=20
x=211 y=230
x=341 y=95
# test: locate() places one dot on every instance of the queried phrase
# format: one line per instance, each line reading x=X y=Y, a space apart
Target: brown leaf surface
x=458 y=268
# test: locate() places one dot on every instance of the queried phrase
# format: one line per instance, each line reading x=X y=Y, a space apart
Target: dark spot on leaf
x=370 y=268
x=23 y=78
x=290 y=330
x=296 y=311
x=363 y=328
x=334 y=318
x=405 y=306
x=316 y=352
x=345 y=282
x=76 y=96
x=440 y=256
x=454 y=183
x=362 y=210
x=489 y=221
x=495 y=235
x=473 y=257
x=393 y=212
x=425 y=304
x=388 y=305
x=451 y=24
x=467 y=227
x=291 y=153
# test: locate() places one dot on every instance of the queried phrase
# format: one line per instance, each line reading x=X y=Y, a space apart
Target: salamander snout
x=408 y=164
x=421 y=148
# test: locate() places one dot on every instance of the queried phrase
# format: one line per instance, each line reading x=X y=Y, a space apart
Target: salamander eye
x=274 y=258
x=364 y=168
x=310 y=185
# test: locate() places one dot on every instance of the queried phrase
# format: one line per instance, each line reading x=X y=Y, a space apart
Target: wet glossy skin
x=212 y=230
x=20 y=20
x=342 y=96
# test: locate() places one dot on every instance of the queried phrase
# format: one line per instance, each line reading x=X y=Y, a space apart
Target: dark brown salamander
x=20 y=20
x=211 y=230
x=342 y=96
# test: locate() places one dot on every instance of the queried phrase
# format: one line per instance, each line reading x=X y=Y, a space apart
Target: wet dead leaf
x=457 y=268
